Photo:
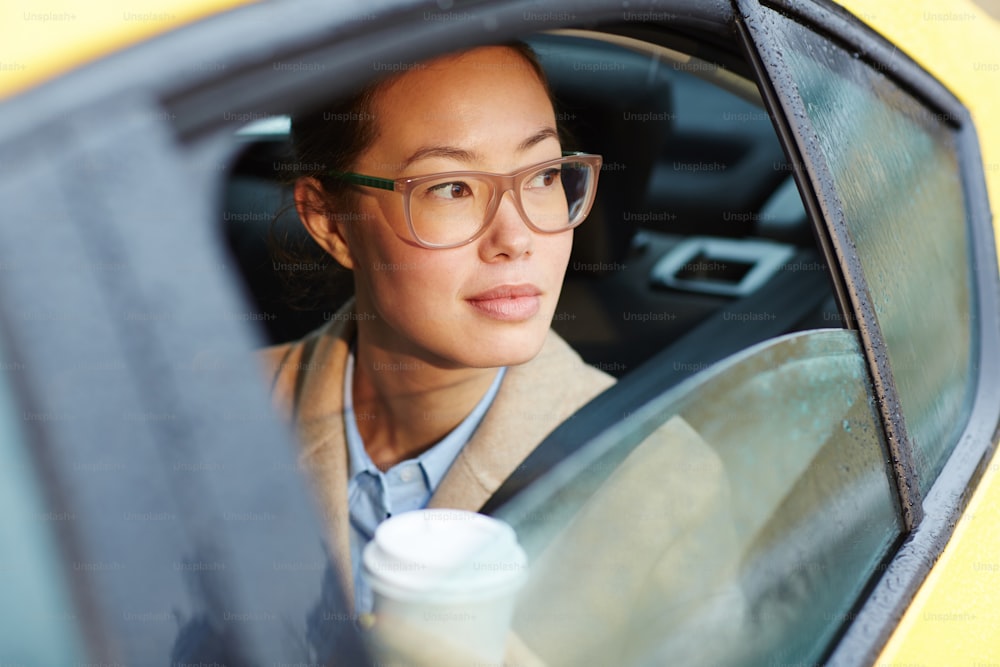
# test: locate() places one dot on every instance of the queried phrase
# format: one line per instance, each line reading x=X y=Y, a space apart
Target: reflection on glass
x=895 y=169
x=733 y=520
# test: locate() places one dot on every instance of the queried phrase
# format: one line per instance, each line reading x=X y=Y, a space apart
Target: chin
x=507 y=348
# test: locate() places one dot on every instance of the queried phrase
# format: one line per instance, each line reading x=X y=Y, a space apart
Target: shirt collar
x=358 y=459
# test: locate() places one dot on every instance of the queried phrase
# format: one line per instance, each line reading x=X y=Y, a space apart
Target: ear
x=313 y=210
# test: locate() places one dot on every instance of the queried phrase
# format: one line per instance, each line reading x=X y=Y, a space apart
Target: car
x=791 y=261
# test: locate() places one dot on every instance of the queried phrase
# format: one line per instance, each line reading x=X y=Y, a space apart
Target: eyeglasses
x=450 y=209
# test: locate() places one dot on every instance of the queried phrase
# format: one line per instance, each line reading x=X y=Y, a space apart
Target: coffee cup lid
x=446 y=555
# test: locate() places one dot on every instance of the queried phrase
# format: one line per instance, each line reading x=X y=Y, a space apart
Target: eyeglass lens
x=453 y=210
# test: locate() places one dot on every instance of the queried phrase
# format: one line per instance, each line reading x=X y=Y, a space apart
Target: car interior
x=697 y=215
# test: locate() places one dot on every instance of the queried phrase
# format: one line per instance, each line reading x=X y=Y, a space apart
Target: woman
x=442 y=374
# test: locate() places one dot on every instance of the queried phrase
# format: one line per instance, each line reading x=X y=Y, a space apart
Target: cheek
x=557 y=252
x=418 y=282
x=375 y=242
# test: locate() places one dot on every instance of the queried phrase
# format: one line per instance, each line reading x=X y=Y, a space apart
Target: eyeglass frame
x=502 y=184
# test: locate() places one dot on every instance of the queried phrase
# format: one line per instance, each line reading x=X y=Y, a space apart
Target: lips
x=508 y=303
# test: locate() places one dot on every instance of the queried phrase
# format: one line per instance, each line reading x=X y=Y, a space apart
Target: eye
x=546 y=178
x=455 y=190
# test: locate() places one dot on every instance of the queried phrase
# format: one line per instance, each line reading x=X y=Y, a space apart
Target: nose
x=507 y=235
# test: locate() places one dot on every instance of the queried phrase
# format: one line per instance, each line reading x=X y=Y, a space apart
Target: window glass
x=895 y=169
x=37 y=621
x=734 y=519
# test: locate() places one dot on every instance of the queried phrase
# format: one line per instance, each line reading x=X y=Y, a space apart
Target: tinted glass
x=733 y=520
x=895 y=168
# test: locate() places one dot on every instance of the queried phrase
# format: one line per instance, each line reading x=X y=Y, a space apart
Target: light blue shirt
x=373 y=495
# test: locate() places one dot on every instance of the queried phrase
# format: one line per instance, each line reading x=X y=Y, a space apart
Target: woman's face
x=483 y=110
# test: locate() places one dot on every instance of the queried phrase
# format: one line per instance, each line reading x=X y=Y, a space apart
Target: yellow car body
x=40 y=42
x=954 y=619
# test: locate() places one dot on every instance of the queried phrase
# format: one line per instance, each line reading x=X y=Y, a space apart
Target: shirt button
x=406 y=474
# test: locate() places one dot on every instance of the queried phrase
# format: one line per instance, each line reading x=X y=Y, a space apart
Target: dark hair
x=331 y=140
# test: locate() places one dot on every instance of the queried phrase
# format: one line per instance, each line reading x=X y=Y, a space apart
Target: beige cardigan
x=307 y=381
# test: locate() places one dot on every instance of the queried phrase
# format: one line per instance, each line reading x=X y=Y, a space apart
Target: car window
x=895 y=169
x=697 y=532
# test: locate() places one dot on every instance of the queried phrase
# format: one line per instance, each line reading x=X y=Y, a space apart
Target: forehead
x=482 y=62
x=461 y=86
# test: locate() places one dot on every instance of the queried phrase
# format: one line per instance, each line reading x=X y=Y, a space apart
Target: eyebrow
x=462 y=155
x=538 y=137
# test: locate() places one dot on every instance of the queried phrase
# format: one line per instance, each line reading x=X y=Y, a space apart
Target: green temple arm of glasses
x=385 y=183
x=361 y=179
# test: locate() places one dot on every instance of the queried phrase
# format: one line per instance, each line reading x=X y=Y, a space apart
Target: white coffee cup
x=450 y=575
